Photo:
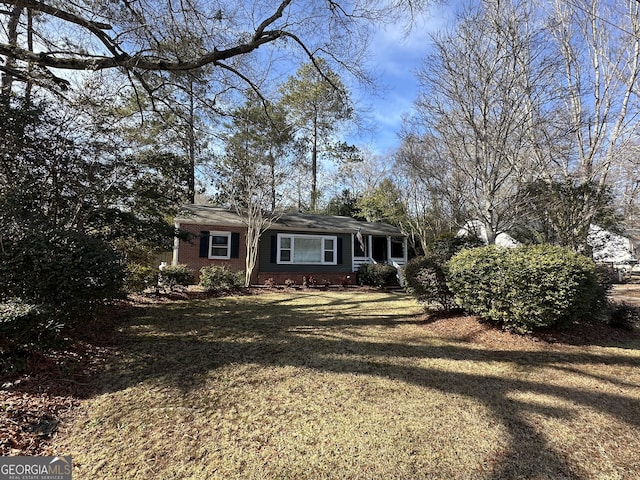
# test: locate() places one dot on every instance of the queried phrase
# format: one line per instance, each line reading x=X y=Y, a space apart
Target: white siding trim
x=176 y=247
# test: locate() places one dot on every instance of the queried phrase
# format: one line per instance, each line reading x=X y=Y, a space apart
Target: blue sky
x=395 y=57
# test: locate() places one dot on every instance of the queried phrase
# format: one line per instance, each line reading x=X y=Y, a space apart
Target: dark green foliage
x=425 y=279
x=69 y=272
x=140 y=277
x=425 y=276
x=344 y=204
x=24 y=327
x=176 y=275
x=526 y=287
x=25 y=324
x=216 y=278
x=377 y=274
x=606 y=277
x=70 y=191
x=624 y=316
x=553 y=212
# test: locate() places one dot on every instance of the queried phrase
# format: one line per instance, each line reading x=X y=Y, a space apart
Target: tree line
x=526 y=118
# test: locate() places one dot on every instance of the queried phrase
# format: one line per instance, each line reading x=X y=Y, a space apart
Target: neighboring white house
x=607 y=247
x=610 y=247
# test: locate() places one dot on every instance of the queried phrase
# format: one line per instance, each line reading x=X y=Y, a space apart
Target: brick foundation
x=334 y=278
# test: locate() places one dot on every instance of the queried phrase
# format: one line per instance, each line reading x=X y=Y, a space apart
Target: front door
x=379 y=249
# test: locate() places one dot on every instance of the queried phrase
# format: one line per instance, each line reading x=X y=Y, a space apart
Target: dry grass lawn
x=352 y=385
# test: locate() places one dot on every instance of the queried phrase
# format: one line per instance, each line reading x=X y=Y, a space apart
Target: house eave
x=292 y=222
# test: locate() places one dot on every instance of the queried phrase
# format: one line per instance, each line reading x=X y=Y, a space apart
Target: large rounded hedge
x=526 y=287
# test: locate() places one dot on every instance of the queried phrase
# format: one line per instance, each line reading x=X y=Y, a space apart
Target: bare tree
x=474 y=88
x=434 y=196
x=599 y=45
x=255 y=163
x=140 y=36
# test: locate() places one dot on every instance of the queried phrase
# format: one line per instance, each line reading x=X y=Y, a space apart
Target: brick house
x=326 y=247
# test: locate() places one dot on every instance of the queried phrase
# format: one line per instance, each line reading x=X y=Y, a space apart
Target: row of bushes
x=212 y=278
x=520 y=289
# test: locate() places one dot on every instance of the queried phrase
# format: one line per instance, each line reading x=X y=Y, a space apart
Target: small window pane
x=285 y=242
x=328 y=244
x=219 y=252
x=328 y=256
x=285 y=255
x=219 y=245
x=219 y=239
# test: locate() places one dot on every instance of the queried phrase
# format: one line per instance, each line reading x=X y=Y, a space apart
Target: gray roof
x=301 y=222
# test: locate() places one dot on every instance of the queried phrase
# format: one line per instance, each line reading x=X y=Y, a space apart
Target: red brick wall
x=189 y=252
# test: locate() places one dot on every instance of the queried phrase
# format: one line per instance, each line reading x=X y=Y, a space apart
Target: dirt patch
x=628 y=293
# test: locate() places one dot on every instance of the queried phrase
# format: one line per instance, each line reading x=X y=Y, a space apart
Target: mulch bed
x=34 y=402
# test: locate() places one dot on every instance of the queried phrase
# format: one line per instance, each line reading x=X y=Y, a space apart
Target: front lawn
x=352 y=385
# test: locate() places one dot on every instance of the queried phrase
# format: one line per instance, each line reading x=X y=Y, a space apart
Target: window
x=307 y=249
x=397 y=247
x=220 y=245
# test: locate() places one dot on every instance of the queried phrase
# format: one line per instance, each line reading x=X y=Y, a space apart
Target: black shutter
x=235 y=245
x=204 y=244
x=339 y=253
x=274 y=249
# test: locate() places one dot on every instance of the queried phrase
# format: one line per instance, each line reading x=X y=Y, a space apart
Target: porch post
x=405 y=253
x=353 y=252
x=389 y=249
x=370 y=247
x=176 y=247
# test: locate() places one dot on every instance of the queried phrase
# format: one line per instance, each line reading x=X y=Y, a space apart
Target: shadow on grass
x=179 y=344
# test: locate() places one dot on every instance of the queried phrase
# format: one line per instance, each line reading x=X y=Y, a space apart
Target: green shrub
x=624 y=316
x=24 y=327
x=527 y=287
x=19 y=320
x=68 y=272
x=377 y=274
x=140 y=277
x=472 y=276
x=425 y=276
x=220 y=279
x=176 y=275
x=425 y=279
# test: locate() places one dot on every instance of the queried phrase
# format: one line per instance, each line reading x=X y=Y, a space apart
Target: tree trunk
x=12 y=38
x=314 y=167
x=29 y=85
x=191 y=186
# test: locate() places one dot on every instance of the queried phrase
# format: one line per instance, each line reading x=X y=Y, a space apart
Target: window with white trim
x=220 y=245
x=307 y=249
